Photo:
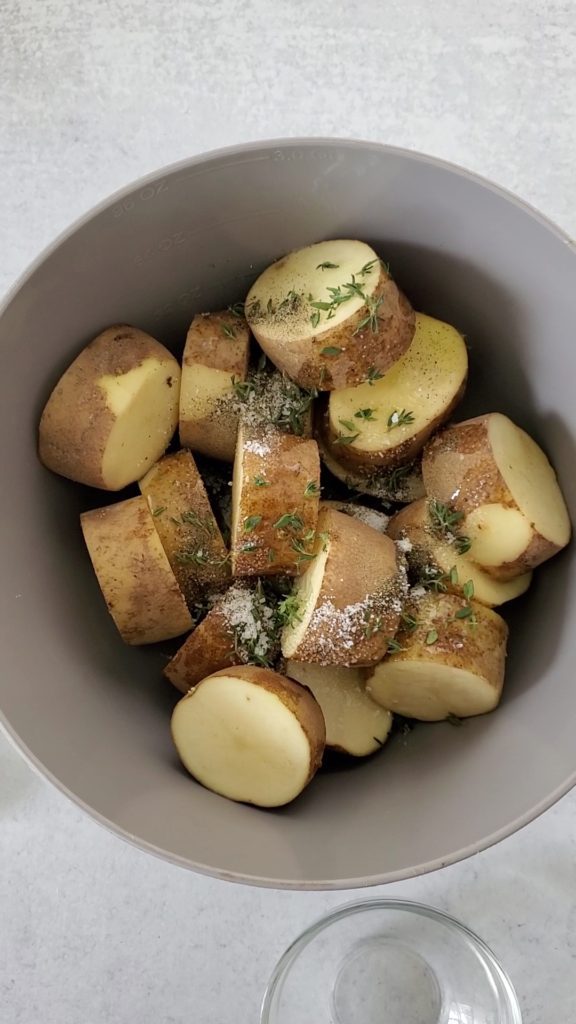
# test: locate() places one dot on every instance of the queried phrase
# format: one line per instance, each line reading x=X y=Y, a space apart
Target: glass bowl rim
x=507 y=992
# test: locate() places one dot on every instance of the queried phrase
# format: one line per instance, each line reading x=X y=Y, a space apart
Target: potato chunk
x=251 y=735
x=387 y=422
x=500 y=481
x=186 y=525
x=451 y=661
x=215 y=355
x=134 y=573
x=275 y=498
x=113 y=412
x=347 y=604
x=330 y=315
x=432 y=554
x=355 y=724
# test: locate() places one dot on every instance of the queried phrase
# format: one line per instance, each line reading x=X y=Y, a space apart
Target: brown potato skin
x=142 y=595
x=208 y=345
x=458 y=468
x=410 y=487
x=299 y=699
x=480 y=649
x=289 y=464
x=390 y=458
x=304 y=362
x=76 y=421
x=208 y=649
x=361 y=561
x=172 y=488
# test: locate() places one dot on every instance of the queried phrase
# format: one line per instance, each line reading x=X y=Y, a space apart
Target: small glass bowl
x=389 y=962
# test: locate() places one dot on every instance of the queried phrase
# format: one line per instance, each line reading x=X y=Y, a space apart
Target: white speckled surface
x=92 y=95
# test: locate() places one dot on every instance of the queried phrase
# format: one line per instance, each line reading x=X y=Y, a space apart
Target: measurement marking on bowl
x=143 y=196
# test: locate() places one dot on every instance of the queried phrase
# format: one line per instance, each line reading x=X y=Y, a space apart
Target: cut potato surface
x=275 y=497
x=139 y=587
x=402 y=484
x=350 y=598
x=451 y=661
x=493 y=473
x=355 y=724
x=215 y=355
x=251 y=735
x=387 y=422
x=186 y=525
x=113 y=412
x=433 y=555
x=329 y=315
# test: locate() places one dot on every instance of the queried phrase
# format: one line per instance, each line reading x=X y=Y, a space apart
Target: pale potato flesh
x=329 y=313
x=355 y=724
x=486 y=462
x=431 y=692
x=113 y=412
x=530 y=479
x=244 y=741
x=498 y=534
x=350 y=597
x=302 y=272
x=429 y=550
x=425 y=382
x=215 y=355
x=139 y=587
x=446 y=664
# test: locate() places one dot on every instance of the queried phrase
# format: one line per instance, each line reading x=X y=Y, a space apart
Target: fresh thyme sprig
x=443 y=520
x=400 y=418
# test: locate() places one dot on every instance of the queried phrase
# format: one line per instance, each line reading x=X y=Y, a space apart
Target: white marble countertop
x=92 y=95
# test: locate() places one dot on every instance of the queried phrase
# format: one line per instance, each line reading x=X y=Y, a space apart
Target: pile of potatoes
x=381 y=608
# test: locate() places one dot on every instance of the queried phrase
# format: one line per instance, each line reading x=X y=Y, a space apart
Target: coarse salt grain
x=404 y=545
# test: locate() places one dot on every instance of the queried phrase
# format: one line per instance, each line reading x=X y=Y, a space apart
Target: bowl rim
x=222 y=153
x=296 y=947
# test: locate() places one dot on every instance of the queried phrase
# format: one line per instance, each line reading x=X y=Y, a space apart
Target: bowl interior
x=93 y=714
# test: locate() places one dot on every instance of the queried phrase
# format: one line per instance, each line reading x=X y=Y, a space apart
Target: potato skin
x=362 y=348
x=76 y=421
x=135 y=577
x=406 y=488
x=185 y=523
x=362 y=563
x=298 y=699
x=208 y=649
x=218 y=341
x=459 y=469
x=287 y=464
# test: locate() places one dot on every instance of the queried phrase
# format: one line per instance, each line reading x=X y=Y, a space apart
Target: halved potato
x=451 y=661
x=499 y=479
x=113 y=412
x=434 y=559
x=215 y=355
x=275 y=497
x=251 y=735
x=402 y=484
x=386 y=423
x=186 y=525
x=348 y=602
x=355 y=724
x=139 y=587
x=329 y=315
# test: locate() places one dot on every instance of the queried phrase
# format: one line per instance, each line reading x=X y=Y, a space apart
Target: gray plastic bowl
x=93 y=715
